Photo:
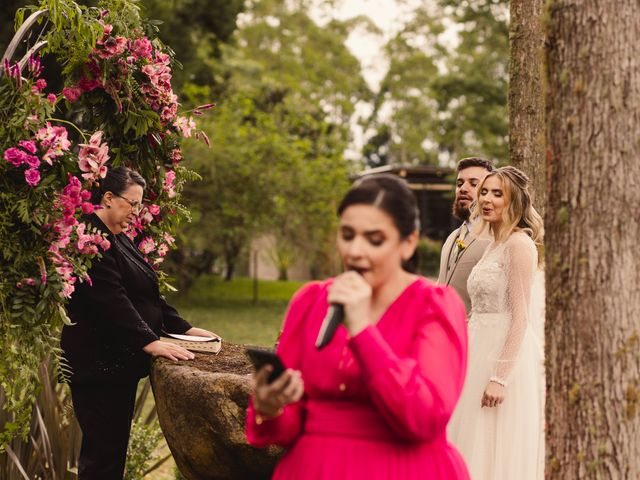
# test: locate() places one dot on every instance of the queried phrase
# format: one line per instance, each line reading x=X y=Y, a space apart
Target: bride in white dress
x=498 y=423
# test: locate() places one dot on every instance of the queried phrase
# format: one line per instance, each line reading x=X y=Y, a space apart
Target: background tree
x=593 y=293
x=283 y=125
x=441 y=100
x=526 y=99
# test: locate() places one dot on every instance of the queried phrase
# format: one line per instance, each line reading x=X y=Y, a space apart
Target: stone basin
x=201 y=408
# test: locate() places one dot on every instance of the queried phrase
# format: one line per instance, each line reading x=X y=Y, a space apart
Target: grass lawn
x=227 y=309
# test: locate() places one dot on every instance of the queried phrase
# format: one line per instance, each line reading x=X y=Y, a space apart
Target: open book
x=194 y=343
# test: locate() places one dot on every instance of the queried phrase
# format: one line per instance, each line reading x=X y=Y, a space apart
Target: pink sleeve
x=285 y=428
x=417 y=394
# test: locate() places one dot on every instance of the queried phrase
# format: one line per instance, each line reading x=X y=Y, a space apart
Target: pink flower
x=28 y=145
x=142 y=48
x=39 y=86
x=106 y=29
x=51 y=98
x=87 y=85
x=30 y=281
x=147 y=245
x=55 y=140
x=67 y=290
x=14 y=156
x=32 y=176
x=168 y=185
x=87 y=208
x=168 y=238
x=34 y=66
x=72 y=93
x=111 y=47
x=185 y=126
x=32 y=161
x=154 y=210
x=175 y=156
x=93 y=157
x=163 y=249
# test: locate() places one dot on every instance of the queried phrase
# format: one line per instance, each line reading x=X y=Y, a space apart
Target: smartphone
x=260 y=357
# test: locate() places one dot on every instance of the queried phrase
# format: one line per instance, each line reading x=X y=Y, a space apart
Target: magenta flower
x=142 y=48
x=32 y=161
x=14 y=156
x=51 y=98
x=32 y=176
x=72 y=93
x=154 y=210
x=39 y=86
x=28 y=145
x=86 y=85
x=87 y=208
x=34 y=66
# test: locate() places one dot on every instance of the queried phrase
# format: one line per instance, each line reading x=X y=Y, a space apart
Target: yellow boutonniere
x=460 y=244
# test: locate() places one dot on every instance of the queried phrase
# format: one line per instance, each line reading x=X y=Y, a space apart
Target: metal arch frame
x=19 y=37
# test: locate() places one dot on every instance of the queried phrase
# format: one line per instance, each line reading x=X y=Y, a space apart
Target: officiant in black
x=118 y=318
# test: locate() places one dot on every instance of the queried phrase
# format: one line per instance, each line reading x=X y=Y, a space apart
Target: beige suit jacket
x=456 y=266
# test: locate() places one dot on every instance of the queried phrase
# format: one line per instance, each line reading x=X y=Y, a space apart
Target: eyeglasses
x=136 y=207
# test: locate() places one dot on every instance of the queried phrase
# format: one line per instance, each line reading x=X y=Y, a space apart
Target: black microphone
x=334 y=317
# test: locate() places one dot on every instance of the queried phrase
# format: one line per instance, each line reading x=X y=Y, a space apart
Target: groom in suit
x=462 y=250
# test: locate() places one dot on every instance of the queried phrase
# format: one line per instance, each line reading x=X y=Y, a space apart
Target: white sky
x=387 y=15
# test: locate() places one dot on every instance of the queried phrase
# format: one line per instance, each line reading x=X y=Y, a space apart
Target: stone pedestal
x=201 y=408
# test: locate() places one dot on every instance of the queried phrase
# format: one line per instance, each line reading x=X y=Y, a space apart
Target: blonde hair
x=519 y=214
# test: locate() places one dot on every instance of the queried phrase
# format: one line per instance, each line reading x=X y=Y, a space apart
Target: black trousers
x=104 y=412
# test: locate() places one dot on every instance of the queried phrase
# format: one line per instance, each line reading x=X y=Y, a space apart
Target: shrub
x=118 y=92
x=429 y=257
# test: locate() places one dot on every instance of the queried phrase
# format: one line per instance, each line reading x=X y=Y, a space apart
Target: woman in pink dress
x=374 y=403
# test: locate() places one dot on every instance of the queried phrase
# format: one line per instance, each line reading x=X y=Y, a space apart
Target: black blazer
x=116 y=316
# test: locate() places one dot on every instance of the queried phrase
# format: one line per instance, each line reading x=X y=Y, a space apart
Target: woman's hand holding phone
x=271 y=398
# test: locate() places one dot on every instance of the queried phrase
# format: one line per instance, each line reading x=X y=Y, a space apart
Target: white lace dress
x=505 y=340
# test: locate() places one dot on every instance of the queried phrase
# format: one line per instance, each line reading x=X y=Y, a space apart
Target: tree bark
x=527 y=143
x=593 y=280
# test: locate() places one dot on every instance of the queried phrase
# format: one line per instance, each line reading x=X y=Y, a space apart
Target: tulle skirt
x=504 y=442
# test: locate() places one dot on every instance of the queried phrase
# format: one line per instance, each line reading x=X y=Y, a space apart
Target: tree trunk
x=526 y=98
x=593 y=280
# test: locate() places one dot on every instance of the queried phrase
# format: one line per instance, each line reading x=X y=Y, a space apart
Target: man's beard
x=460 y=212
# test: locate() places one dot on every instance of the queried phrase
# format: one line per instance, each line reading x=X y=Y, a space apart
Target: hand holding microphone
x=350 y=301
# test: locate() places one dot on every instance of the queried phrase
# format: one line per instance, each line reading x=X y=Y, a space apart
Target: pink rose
x=32 y=176
x=87 y=208
x=142 y=48
x=72 y=93
x=51 y=98
x=154 y=209
x=32 y=161
x=28 y=145
x=87 y=85
x=14 y=156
